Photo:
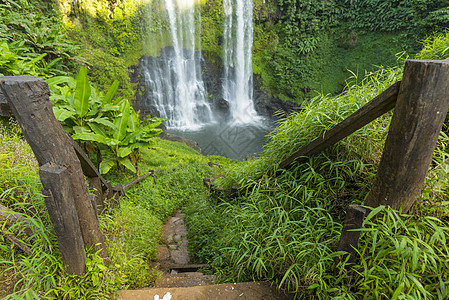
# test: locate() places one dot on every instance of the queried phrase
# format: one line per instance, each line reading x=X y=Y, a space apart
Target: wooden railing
x=421 y=102
x=72 y=211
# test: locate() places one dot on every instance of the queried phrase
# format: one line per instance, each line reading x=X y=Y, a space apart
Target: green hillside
x=332 y=56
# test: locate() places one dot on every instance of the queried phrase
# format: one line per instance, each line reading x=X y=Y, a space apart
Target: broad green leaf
x=62 y=114
x=81 y=129
x=123 y=151
x=5 y=47
x=133 y=120
x=118 y=101
x=154 y=122
x=111 y=92
x=110 y=107
x=131 y=138
x=141 y=145
x=97 y=129
x=35 y=60
x=127 y=164
x=58 y=80
x=52 y=63
x=105 y=122
x=152 y=133
x=82 y=93
x=121 y=122
x=106 y=165
x=92 y=137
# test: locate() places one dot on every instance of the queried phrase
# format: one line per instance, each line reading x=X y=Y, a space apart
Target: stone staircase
x=182 y=281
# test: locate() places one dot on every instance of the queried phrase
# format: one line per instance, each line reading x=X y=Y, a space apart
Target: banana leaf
x=106 y=165
x=82 y=93
x=111 y=93
x=62 y=114
x=93 y=137
x=125 y=162
x=121 y=122
x=123 y=152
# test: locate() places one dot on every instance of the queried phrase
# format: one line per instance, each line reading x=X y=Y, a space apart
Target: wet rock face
x=267 y=105
x=136 y=77
x=213 y=81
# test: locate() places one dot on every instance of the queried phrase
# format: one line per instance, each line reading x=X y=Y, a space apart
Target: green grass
x=132 y=231
x=345 y=52
x=286 y=228
x=435 y=47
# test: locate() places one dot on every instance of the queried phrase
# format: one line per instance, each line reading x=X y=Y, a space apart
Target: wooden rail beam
x=380 y=105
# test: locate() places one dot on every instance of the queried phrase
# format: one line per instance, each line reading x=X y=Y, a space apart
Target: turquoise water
x=229 y=139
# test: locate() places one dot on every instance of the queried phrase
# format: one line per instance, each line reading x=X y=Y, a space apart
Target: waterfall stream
x=223 y=121
x=238 y=73
x=174 y=80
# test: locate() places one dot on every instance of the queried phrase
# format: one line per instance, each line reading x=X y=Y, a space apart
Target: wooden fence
x=63 y=165
x=421 y=102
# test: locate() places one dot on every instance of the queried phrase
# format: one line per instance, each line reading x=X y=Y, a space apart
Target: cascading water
x=173 y=86
x=173 y=80
x=238 y=75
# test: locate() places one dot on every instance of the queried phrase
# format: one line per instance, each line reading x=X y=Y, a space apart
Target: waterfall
x=238 y=75
x=174 y=81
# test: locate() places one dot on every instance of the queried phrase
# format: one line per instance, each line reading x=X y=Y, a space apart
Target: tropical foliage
x=304 y=48
x=102 y=122
x=35 y=38
x=284 y=228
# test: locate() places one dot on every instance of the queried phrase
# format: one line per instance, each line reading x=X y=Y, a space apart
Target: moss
x=212 y=17
x=340 y=53
x=343 y=54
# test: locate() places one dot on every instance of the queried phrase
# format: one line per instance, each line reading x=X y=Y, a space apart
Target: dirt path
x=181 y=279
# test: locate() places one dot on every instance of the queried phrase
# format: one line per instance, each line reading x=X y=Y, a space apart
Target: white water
x=174 y=80
x=238 y=74
x=174 y=84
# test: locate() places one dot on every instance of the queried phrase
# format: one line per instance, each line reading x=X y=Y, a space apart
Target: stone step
x=226 y=291
x=187 y=279
x=181 y=268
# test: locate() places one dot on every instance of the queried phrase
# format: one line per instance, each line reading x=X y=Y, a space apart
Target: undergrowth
x=132 y=231
x=286 y=228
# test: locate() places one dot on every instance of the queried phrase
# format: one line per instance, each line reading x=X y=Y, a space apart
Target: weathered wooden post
x=349 y=238
x=5 y=109
x=29 y=100
x=421 y=108
x=60 y=204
